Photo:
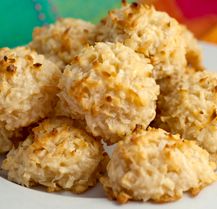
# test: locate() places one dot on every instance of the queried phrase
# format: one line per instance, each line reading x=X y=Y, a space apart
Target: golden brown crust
x=166 y=198
x=123 y=197
x=195 y=191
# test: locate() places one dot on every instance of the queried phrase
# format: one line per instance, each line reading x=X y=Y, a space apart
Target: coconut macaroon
x=62 y=40
x=158 y=166
x=188 y=106
x=56 y=155
x=28 y=87
x=154 y=34
x=111 y=88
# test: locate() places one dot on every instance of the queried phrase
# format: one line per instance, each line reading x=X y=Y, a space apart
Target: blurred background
x=19 y=17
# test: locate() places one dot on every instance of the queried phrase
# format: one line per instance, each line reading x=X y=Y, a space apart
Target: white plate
x=15 y=196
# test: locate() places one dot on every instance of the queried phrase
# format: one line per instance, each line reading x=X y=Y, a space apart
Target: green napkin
x=19 y=17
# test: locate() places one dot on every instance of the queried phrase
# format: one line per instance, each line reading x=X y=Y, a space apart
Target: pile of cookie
x=136 y=80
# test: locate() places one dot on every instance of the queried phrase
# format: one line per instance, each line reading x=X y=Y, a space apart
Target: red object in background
x=200 y=16
x=197 y=8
